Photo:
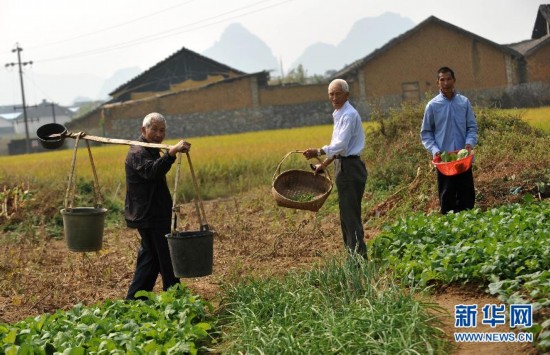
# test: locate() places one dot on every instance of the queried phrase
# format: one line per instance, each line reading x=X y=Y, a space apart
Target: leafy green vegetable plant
x=506 y=248
x=172 y=322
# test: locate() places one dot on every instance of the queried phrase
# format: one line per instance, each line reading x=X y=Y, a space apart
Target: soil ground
x=43 y=276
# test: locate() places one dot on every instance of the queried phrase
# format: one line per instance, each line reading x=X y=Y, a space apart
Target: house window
x=411 y=92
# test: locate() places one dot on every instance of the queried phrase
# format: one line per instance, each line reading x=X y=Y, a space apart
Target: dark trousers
x=351 y=178
x=456 y=193
x=153 y=258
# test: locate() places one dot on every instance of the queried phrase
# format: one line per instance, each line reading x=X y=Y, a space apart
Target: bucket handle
x=69 y=204
x=174 y=197
x=71 y=187
x=198 y=201
x=97 y=190
x=278 y=170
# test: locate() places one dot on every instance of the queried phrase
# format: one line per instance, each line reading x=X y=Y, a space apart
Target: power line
x=210 y=21
x=111 y=27
x=35 y=86
x=167 y=33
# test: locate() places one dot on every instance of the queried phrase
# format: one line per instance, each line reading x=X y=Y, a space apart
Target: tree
x=297 y=75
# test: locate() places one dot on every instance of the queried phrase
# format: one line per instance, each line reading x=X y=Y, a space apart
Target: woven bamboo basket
x=287 y=188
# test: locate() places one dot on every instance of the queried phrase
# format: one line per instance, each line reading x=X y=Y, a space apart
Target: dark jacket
x=148 y=200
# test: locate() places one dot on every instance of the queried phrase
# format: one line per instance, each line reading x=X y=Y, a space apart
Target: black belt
x=348 y=157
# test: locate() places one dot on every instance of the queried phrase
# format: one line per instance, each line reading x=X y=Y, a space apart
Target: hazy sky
x=98 y=37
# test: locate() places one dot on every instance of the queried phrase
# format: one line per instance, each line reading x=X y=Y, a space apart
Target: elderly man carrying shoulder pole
x=148 y=206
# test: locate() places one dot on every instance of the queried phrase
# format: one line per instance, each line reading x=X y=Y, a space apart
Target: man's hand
x=180 y=147
x=318 y=169
x=312 y=153
x=468 y=147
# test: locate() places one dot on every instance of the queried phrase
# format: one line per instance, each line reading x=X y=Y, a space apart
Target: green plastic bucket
x=83 y=228
x=192 y=253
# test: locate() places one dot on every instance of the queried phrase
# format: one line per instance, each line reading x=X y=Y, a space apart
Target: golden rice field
x=218 y=161
x=538 y=117
x=224 y=165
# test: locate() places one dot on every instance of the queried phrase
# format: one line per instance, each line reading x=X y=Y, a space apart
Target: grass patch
x=341 y=307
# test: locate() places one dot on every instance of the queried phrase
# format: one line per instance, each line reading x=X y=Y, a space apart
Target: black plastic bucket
x=44 y=132
x=83 y=228
x=192 y=253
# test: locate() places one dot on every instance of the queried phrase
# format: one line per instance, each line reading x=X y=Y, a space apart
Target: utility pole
x=21 y=64
x=53 y=111
x=282 y=72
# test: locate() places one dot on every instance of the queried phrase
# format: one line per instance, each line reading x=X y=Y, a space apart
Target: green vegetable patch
x=172 y=322
x=505 y=248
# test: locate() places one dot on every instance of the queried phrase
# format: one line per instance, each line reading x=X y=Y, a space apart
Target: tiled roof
x=529 y=46
x=44 y=109
x=542 y=22
x=182 y=65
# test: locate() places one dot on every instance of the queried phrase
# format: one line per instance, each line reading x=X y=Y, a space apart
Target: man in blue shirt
x=348 y=140
x=449 y=124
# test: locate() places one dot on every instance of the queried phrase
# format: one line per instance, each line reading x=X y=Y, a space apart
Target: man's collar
x=445 y=96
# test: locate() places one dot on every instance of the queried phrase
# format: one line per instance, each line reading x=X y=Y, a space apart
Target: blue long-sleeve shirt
x=448 y=124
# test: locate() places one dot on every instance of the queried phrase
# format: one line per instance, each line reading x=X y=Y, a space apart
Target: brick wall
x=235 y=121
x=234 y=106
x=476 y=63
x=538 y=65
x=292 y=95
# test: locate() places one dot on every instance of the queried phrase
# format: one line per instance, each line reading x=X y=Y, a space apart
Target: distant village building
x=6 y=124
x=184 y=69
x=186 y=83
x=489 y=73
x=536 y=51
x=542 y=22
x=12 y=124
x=39 y=115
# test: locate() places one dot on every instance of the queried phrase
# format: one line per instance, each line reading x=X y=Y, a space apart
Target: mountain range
x=242 y=50
x=365 y=36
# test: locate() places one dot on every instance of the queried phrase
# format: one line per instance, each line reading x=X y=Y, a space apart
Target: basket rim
x=323 y=180
x=301 y=170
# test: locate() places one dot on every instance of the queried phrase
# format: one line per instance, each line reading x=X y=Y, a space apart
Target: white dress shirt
x=348 y=137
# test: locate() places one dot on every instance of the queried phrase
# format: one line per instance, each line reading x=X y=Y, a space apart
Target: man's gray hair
x=153 y=116
x=340 y=82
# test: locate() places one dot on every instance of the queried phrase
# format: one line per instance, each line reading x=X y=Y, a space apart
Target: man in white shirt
x=348 y=140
